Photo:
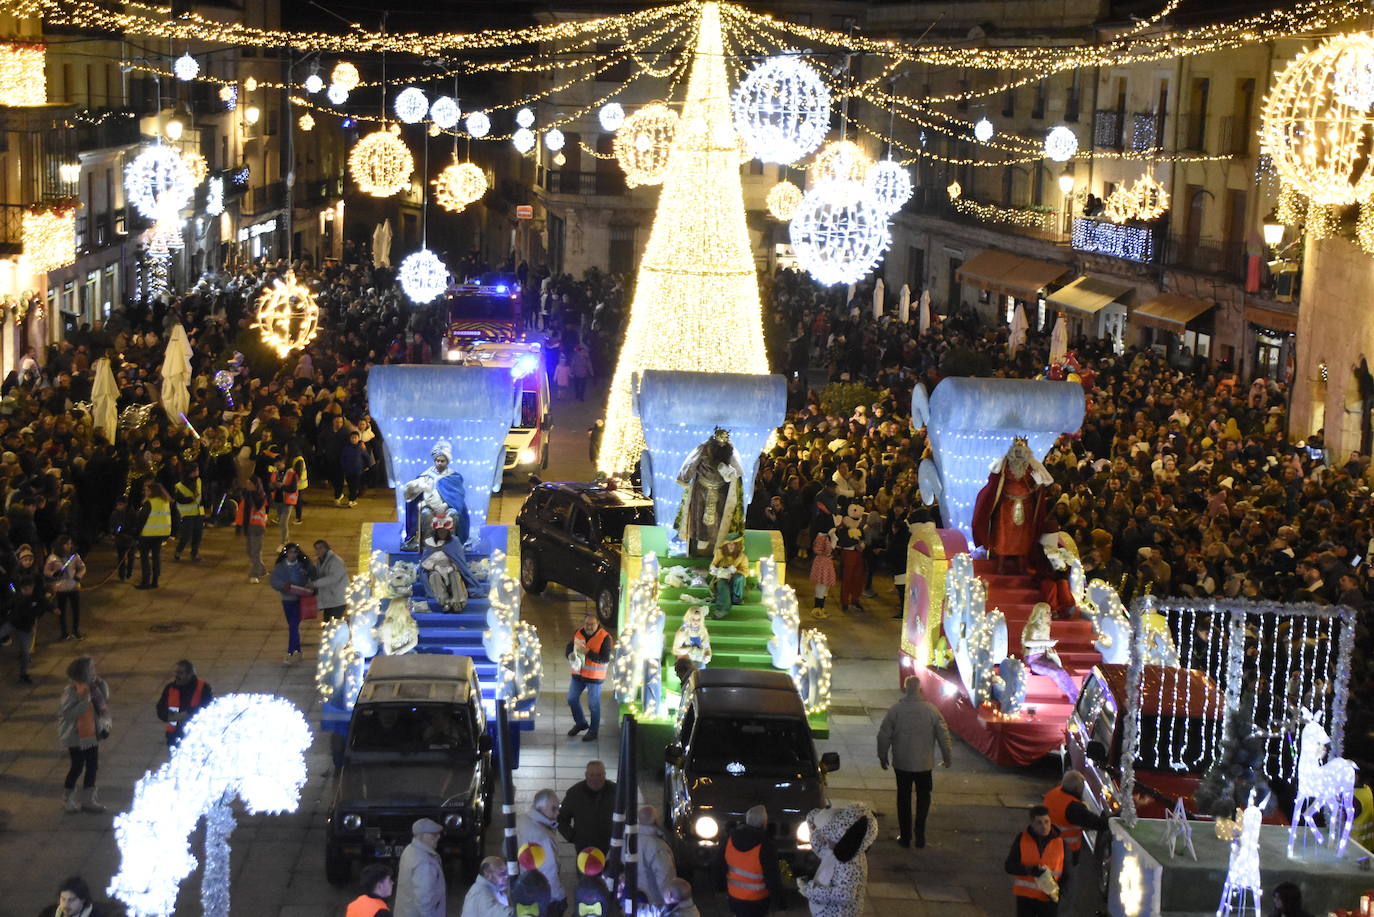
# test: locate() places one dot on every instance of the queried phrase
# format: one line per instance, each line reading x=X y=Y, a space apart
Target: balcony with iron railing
x=1192 y=132
x=585 y=184
x=103 y=128
x=264 y=199
x=1220 y=257
x=1238 y=136
x=11 y=228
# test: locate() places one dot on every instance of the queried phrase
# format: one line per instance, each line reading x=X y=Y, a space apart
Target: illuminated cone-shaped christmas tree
x=696 y=304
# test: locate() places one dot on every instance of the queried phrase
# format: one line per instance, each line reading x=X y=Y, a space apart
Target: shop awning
x=1170 y=312
x=1088 y=295
x=1010 y=275
x=1272 y=318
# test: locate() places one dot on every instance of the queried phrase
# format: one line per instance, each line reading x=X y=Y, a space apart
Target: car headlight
x=803 y=833
x=454 y=354
x=351 y=822
x=528 y=456
x=706 y=827
x=453 y=822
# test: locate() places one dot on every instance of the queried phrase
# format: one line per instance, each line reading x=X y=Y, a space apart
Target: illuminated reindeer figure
x=1322 y=787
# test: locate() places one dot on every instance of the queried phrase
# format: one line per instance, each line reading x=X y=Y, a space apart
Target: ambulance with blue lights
x=527 y=444
x=486 y=308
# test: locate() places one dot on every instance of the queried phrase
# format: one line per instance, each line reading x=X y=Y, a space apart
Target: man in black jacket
x=584 y=818
x=26 y=606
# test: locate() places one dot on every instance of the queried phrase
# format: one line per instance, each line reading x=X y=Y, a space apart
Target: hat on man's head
x=426 y=826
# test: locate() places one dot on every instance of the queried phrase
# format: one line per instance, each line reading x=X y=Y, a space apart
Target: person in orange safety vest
x=183 y=696
x=751 y=865
x=1036 y=852
x=377 y=885
x=589 y=656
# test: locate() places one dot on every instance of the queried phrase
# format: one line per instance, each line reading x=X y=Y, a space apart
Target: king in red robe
x=1012 y=510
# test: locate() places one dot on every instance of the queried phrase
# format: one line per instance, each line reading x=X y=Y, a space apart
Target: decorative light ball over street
x=524 y=118
x=306 y=122
x=186 y=67
x=250 y=84
x=523 y=139
x=423 y=276
x=288 y=317
x=1061 y=144
x=458 y=185
x=445 y=113
x=337 y=94
x=381 y=164
x=560 y=160
x=782 y=109
x=890 y=185
x=478 y=124
x=411 y=105
x=839 y=232
x=783 y=200
x=228 y=93
x=346 y=75
x=195 y=165
x=554 y=139
x=314 y=83
x=841 y=161
x=983 y=130
x=643 y=142
x=157 y=183
x=611 y=116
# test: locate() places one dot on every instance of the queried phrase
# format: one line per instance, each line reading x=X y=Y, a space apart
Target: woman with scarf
x=83 y=721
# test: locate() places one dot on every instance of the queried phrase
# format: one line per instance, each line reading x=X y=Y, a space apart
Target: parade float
x=439 y=579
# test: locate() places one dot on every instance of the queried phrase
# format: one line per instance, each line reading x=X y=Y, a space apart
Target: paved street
x=235 y=634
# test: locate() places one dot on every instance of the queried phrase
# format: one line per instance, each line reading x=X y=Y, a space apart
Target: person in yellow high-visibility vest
x=191 y=524
x=155 y=527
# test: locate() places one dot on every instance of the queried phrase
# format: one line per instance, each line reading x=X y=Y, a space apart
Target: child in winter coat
x=822 y=567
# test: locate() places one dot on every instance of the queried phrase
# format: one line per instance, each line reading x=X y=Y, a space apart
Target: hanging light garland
x=49 y=233
x=1319 y=144
x=157 y=182
x=288 y=317
x=890 y=185
x=643 y=142
x=840 y=161
x=381 y=164
x=1364 y=228
x=19 y=87
x=782 y=109
x=458 y=185
x=839 y=232
x=445 y=113
x=611 y=116
x=783 y=200
x=411 y=105
x=423 y=276
x=1061 y=143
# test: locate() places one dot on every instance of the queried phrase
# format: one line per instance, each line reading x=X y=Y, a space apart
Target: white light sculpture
x=186 y=67
x=337 y=94
x=445 y=112
x=1241 y=894
x=314 y=83
x=1327 y=787
x=554 y=140
x=782 y=109
x=839 y=232
x=411 y=104
x=524 y=118
x=523 y=140
x=611 y=116
x=157 y=182
x=1060 y=144
x=478 y=124
x=983 y=130
x=222 y=756
x=423 y=276
x=214 y=196
x=890 y=185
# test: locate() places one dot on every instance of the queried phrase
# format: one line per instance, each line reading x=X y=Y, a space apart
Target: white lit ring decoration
x=983 y=130
x=1151 y=200
x=288 y=317
x=411 y=105
x=381 y=164
x=840 y=160
x=222 y=756
x=313 y=83
x=337 y=94
x=839 y=232
x=158 y=183
x=1120 y=205
x=554 y=139
x=478 y=124
x=186 y=67
x=783 y=200
x=346 y=75
x=524 y=118
x=1061 y=143
x=611 y=116
x=459 y=185
x=1316 y=142
x=523 y=140
x=423 y=276
x=890 y=185
x=643 y=142
x=445 y=112
x=782 y=108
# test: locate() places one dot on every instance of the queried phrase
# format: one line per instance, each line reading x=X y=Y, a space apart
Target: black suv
x=417 y=748
x=742 y=739
x=570 y=534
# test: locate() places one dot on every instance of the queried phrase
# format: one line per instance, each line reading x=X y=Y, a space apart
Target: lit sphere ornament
x=643 y=143
x=157 y=183
x=839 y=232
x=783 y=200
x=554 y=139
x=1150 y=199
x=1317 y=142
x=478 y=124
x=1060 y=144
x=782 y=108
x=1353 y=82
x=983 y=131
x=411 y=105
x=1119 y=205
x=445 y=112
x=459 y=185
x=523 y=139
x=560 y=160
x=381 y=164
x=250 y=84
x=224 y=380
x=288 y=317
x=890 y=185
x=306 y=122
x=841 y=161
x=195 y=165
x=346 y=75
x=186 y=67
x=228 y=93
x=955 y=190
x=524 y=118
x=314 y=83
x=423 y=276
x=611 y=116
x=337 y=94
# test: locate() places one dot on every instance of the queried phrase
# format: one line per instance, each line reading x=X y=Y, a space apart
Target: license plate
x=386 y=851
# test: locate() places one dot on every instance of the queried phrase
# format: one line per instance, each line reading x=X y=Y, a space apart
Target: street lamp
x=174 y=129
x=1066 y=184
x=1273 y=231
x=251 y=114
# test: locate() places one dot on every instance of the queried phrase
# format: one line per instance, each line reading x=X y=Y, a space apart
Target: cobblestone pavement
x=235 y=634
